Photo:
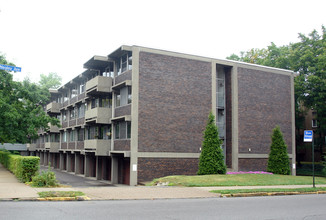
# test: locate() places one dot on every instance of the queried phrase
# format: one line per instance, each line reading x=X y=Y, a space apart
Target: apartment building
x=140 y=113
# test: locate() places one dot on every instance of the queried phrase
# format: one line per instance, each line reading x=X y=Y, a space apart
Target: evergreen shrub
x=211 y=160
x=278 y=160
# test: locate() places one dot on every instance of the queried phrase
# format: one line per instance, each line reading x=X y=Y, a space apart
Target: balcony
x=99 y=85
x=99 y=115
x=53 y=107
x=100 y=146
x=31 y=147
x=53 y=128
x=52 y=146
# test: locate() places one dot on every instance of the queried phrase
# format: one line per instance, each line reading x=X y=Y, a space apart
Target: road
x=277 y=207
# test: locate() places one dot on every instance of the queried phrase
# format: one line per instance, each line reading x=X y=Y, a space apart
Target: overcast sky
x=43 y=36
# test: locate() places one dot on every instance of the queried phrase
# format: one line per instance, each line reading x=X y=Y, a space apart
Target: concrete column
x=61 y=166
x=134 y=124
x=114 y=170
x=41 y=158
x=69 y=162
x=46 y=159
x=99 y=165
x=87 y=165
x=77 y=164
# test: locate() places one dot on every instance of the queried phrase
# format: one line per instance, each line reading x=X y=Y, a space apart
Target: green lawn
x=234 y=191
x=60 y=194
x=237 y=180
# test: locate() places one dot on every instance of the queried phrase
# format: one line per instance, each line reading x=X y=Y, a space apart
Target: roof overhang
x=98 y=63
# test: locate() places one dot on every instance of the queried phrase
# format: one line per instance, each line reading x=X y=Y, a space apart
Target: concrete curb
x=77 y=198
x=270 y=194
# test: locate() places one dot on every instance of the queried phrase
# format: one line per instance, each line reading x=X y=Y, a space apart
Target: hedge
x=24 y=167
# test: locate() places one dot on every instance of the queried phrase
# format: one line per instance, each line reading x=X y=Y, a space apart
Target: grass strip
x=235 y=191
x=60 y=194
x=236 y=180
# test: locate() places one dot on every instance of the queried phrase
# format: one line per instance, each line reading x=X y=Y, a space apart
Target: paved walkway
x=11 y=188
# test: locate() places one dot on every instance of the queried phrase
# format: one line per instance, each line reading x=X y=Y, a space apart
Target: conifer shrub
x=278 y=160
x=211 y=160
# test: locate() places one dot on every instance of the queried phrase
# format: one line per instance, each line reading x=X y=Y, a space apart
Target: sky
x=43 y=36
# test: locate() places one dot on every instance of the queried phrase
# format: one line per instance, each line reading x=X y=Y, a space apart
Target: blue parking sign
x=308 y=134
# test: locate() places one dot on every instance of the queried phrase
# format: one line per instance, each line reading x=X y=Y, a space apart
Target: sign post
x=309 y=137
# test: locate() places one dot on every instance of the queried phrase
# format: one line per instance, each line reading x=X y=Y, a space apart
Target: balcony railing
x=52 y=146
x=99 y=84
x=53 y=107
x=99 y=115
x=31 y=147
x=100 y=146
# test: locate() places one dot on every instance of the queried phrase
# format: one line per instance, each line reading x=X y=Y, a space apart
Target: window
x=73 y=92
x=80 y=134
x=124 y=63
x=117 y=131
x=106 y=102
x=72 y=114
x=122 y=130
x=72 y=136
x=64 y=136
x=117 y=99
x=129 y=62
x=314 y=123
x=65 y=97
x=82 y=88
x=81 y=111
x=128 y=129
x=129 y=94
x=94 y=103
x=64 y=116
x=118 y=67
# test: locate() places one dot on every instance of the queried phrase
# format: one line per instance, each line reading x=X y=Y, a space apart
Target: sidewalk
x=11 y=188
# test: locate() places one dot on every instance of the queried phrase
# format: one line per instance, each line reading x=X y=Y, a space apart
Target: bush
x=45 y=179
x=211 y=160
x=278 y=160
x=23 y=167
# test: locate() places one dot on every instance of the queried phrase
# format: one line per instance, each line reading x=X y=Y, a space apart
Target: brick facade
x=174 y=103
x=150 y=168
x=264 y=101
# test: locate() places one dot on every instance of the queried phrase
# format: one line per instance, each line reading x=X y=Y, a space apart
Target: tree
x=50 y=81
x=211 y=159
x=278 y=159
x=308 y=58
x=21 y=113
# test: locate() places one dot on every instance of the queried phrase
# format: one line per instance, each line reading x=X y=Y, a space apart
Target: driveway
x=73 y=180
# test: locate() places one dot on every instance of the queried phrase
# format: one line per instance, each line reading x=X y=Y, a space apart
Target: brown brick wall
x=253 y=164
x=174 y=103
x=150 y=168
x=123 y=77
x=228 y=117
x=122 y=110
x=264 y=102
x=123 y=145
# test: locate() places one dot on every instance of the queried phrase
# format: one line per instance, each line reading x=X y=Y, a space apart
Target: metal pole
x=313 y=163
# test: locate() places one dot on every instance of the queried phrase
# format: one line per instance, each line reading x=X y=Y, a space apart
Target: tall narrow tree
x=278 y=160
x=211 y=159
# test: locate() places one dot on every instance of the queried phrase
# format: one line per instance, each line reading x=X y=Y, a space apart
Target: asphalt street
x=275 y=207
x=73 y=180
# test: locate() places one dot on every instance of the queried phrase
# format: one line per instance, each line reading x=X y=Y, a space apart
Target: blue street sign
x=307 y=136
x=10 y=68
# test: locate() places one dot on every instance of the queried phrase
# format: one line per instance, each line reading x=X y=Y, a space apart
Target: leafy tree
x=211 y=159
x=21 y=113
x=278 y=160
x=50 y=81
x=308 y=58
